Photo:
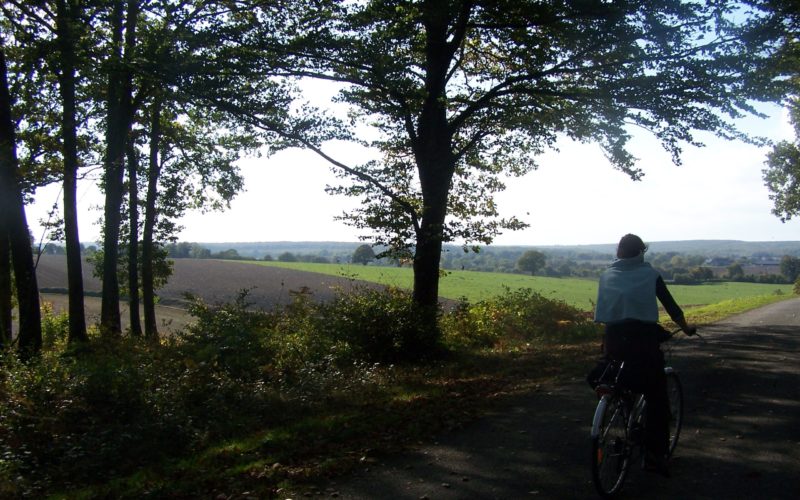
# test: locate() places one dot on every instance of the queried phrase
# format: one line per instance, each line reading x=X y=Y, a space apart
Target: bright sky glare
x=575 y=197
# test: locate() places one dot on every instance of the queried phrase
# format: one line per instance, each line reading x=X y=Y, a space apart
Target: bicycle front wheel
x=675 y=394
x=611 y=448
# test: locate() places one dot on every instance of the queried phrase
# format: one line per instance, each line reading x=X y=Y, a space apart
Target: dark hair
x=630 y=246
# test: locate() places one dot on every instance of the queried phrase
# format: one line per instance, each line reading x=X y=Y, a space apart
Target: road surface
x=741 y=435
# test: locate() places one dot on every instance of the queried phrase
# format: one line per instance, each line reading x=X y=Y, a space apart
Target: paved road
x=741 y=436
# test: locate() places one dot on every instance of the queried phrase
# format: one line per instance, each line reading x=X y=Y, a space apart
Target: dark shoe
x=658 y=464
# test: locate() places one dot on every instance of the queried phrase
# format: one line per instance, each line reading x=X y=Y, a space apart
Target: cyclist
x=626 y=304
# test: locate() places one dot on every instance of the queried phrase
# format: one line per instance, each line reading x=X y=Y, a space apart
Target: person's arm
x=673 y=309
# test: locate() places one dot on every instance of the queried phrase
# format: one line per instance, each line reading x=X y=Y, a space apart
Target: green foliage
x=583 y=70
x=287 y=257
x=382 y=326
x=531 y=261
x=162 y=266
x=782 y=175
x=228 y=338
x=790 y=267
x=55 y=327
x=363 y=255
x=70 y=419
x=735 y=272
x=796 y=288
x=515 y=318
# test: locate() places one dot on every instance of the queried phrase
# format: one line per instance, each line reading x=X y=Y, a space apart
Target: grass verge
x=715 y=312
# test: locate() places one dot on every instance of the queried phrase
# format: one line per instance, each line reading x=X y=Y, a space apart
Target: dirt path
x=741 y=437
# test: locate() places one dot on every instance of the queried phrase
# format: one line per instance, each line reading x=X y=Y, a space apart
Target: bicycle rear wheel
x=675 y=394
x=611 y=449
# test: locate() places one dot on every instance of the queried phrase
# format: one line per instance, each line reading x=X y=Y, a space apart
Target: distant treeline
x=586 y=261
x=759 y=266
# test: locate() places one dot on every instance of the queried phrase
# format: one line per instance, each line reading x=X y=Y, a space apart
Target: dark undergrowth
x=251 y=403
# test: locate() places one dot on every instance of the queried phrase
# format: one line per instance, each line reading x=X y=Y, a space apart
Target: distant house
x=718 y=262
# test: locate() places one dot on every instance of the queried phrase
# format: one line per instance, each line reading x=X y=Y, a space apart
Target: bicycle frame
x=608 y=392
x=619 y=423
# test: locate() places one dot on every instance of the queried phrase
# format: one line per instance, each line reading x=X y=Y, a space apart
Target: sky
x=574 y=198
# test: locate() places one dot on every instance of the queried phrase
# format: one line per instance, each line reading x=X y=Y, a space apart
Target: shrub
x=684 y=279
x=75 y=419
x=55 y=327
x=228 y=337
x=516 y=317
x=382 y=326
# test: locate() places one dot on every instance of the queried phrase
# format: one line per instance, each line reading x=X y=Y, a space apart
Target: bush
x=228 y=337
x=382 y=326
x=55 y=327
x=516 y=317
x=684 y=279
x=71 y=418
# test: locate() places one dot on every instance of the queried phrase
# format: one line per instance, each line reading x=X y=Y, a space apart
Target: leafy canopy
x=782 y=175
x=512 y=76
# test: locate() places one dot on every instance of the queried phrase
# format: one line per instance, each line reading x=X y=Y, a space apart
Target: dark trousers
x=637 y=344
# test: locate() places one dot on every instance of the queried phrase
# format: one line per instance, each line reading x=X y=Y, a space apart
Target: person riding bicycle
x=627 y=304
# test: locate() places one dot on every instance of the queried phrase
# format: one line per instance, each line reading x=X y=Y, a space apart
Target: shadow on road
x=740 y=437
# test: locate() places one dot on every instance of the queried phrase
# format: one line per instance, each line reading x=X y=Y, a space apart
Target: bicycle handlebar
x=691 y=333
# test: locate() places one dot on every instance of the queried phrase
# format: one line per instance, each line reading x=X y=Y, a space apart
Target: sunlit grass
x=579 y=292
x=721 y=310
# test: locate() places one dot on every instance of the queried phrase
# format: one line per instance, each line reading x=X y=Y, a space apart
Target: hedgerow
x=86 y=414
x=513 y=318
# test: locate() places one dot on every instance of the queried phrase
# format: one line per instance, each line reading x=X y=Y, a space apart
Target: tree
x=464 y=91
x=735 y=272
x=790 y=267
x=51 y=33
x=531 y=261
x=14 y=226
x=67 y=21
x=6 y=318
x=782 y=175
x=119 y=116
x=133 y=240
x=193 y=146
x=115 y=62
x=702 y=273
x=363 y=255
x=287 y=257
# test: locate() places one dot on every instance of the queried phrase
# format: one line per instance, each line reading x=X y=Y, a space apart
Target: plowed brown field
x=214 y=281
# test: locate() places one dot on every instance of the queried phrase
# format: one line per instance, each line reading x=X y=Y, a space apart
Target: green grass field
x=476 y=286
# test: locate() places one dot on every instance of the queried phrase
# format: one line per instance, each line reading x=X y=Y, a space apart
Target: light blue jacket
x=627 y=291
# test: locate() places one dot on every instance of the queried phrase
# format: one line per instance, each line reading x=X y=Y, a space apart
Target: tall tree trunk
x=133 y=242
x=153 y=173
x=434 y=158
x=16 y=229
x=120 y=114
x=5 y=284
x=66 y=44
x=428 y=252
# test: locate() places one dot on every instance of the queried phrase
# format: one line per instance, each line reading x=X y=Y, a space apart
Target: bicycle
x=619 y=423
